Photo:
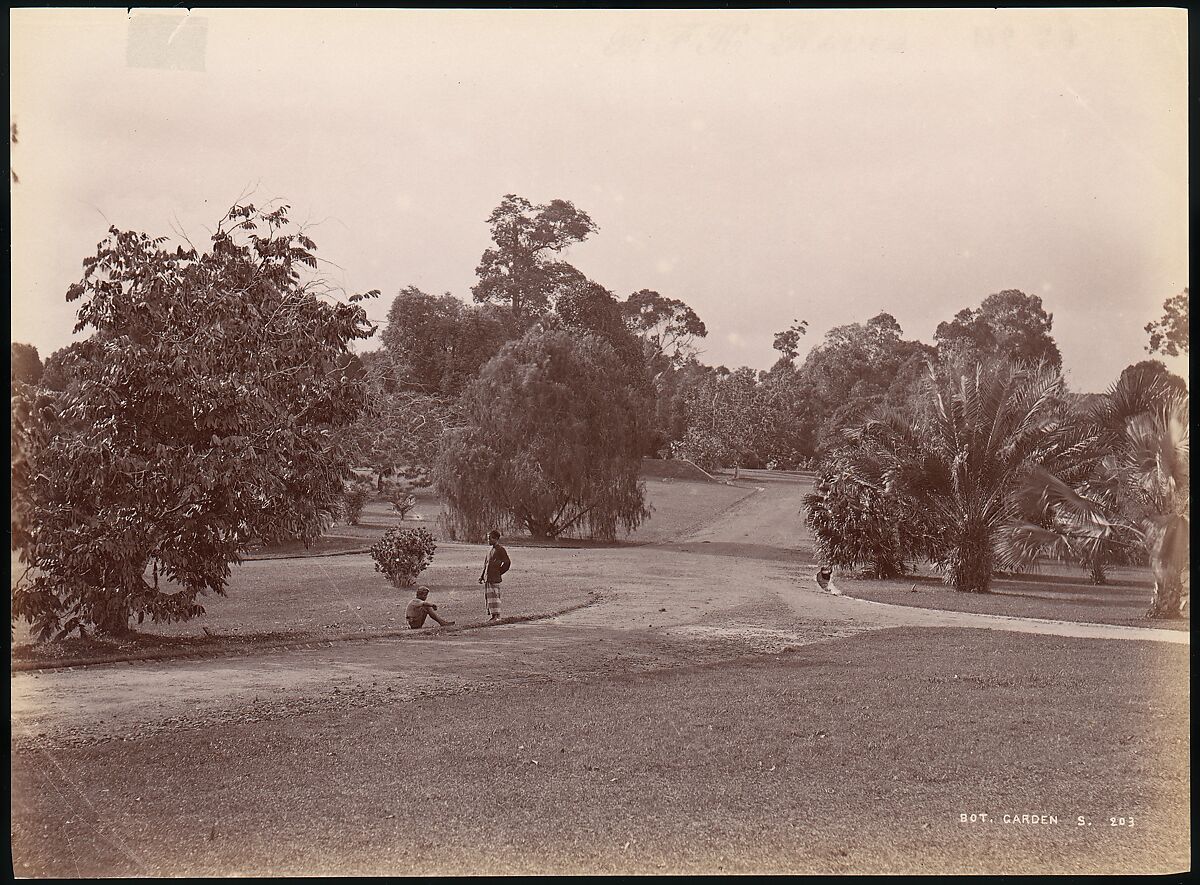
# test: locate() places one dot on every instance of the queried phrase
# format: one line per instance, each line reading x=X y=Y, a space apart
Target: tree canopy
x=1009 y=325
x=438 y=343
x=1171 y=332
x=548 y=443
x=24 y=365
x=787 y=342
x=858 y=368
x=200 y=415
x=668 y=326
x=518 y=270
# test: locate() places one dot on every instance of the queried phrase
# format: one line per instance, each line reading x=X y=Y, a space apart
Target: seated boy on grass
x=418 y=610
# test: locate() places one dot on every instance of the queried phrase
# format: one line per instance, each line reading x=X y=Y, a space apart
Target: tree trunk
x=1099 y=576
x=542 y=529
x=971 y=570
x=1168 y=598
x=113 y=623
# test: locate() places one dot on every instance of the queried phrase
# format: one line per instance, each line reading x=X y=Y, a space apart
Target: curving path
x=738 y=584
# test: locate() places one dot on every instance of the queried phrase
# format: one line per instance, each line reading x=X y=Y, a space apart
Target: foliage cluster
x=999 y=470
x=201 y=414
x=548 y=442
x=1171 y=333
x=403 y=553
x=354 y=499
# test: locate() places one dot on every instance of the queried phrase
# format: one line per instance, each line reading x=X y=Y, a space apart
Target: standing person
x=418 y=610
x=495 y=564
x=825 y=581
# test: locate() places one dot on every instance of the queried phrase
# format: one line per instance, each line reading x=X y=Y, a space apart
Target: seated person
x=418 y=610
x=825 y=581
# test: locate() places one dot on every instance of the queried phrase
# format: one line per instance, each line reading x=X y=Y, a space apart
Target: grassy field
x=288 y=592
x=317 y=599
x=1056 y=593
x=853 y=756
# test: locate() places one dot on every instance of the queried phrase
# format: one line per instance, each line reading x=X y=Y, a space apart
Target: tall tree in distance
x=400 y=424
x=587 y=306
x=202 y=414
x=668 y=326
x=519 y=270
x=1170 y=333
x=727 y=419
x=787 y=342
x=1008 y=325
x=857 y=368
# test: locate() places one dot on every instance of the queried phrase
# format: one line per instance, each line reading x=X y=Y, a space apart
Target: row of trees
x=1001 y=467
x=217 y=404
x=717 y=417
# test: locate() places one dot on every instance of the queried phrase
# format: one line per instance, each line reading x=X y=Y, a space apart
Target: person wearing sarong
x=495 y=564
x=418 y=610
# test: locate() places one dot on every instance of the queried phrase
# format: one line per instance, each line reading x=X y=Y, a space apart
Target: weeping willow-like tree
x=550 y=442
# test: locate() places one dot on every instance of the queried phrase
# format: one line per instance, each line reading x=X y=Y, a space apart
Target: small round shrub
x=402 y=554
x=353 y=502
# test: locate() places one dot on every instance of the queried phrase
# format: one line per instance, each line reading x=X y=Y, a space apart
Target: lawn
x=855 y=756
x=287 y=592
x=302 y=600
x=1056 y=593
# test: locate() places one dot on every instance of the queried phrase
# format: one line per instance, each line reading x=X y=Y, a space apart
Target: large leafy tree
x=791 y=427
x=857 y=369
x=400 y=424
x=1170 y=333
x=726 y=419
x=549 y=443
x=202 y=413
x=520 y=270
x=588 y=307
x=1123 y=489
x=438 y=343
x=1008 y=325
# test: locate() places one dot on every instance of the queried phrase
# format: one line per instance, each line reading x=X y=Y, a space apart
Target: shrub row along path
x=740 y=581
x=740 y=585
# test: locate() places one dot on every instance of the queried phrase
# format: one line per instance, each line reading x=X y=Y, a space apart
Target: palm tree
x=1134 y=494
x=961 y=463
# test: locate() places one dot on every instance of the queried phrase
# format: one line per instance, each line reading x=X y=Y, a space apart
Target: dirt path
x=739 y=584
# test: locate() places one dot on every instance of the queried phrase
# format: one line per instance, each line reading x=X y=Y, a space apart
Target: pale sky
x=763 y=166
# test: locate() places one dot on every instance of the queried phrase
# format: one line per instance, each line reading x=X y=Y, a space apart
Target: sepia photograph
x=551 y=441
